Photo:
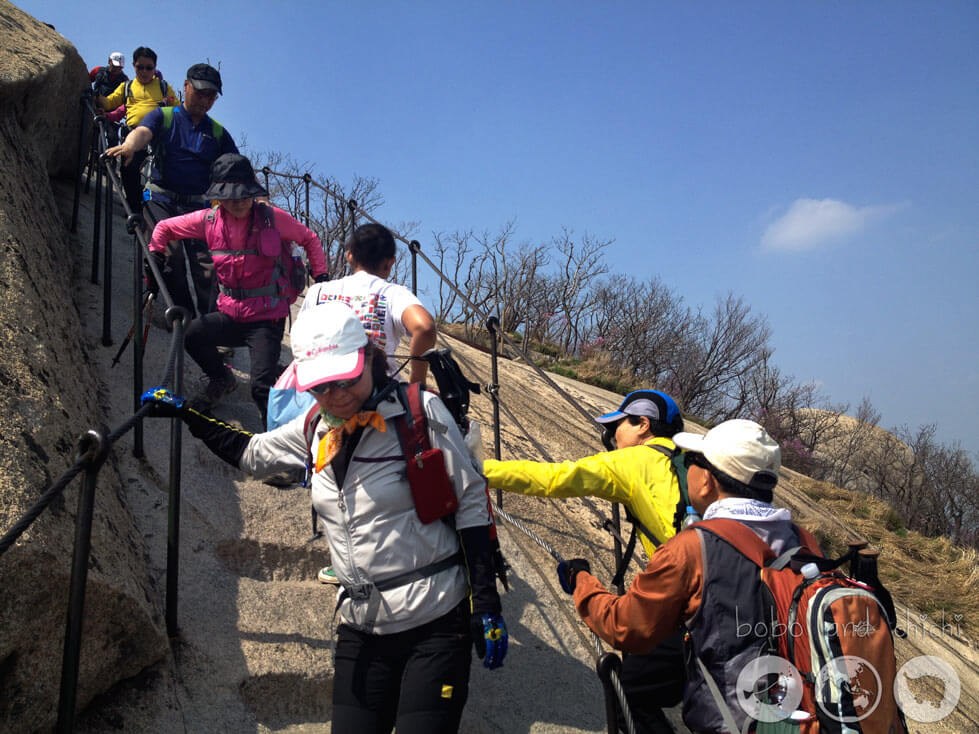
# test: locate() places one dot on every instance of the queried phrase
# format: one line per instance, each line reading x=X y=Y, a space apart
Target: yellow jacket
x=144 y=100
x=639 y=477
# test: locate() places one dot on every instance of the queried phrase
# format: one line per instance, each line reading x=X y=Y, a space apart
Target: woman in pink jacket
x=257 y=277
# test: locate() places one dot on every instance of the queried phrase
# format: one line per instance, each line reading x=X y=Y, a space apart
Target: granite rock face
x=50 y=397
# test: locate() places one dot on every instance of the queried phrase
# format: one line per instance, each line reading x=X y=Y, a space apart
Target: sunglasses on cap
x=325 y=388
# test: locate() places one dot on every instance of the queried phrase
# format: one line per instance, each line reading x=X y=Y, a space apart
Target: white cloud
x=810 y=223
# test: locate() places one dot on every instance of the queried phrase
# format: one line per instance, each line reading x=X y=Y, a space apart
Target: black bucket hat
x=232 y=177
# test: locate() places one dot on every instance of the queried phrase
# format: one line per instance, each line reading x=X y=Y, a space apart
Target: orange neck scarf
x=333 y=440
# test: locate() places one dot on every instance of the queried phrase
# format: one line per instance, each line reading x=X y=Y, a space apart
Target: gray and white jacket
x=371 y=524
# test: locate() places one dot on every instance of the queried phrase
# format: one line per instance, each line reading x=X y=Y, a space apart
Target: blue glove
x=491 y=639
x=165 y=403
x=567 y=572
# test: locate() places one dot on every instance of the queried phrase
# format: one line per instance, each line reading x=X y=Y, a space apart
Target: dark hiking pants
x=417 y=680
x=264 y=342
x=652 y=682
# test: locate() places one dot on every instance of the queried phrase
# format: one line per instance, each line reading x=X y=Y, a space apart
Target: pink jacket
x=247 y=270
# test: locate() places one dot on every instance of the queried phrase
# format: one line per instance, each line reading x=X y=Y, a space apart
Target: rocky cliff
x=48 y=398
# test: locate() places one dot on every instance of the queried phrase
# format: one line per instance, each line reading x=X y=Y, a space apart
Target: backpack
x=288 y=278
x=833 y=629
x=683 y=509
x=101 y=84
x=159 y=148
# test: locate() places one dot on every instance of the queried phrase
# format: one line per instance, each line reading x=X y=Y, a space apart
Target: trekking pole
x=148 y=301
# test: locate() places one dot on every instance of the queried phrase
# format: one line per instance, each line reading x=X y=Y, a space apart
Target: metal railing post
x=134 y=221
x=97 y=222
x=82 y=156
x=492 y=324
x=177 y=317
x=414 y=246
x=307 y=178
x=93 y=448
x=352 y=206
x=265 y=172
x=107 y=259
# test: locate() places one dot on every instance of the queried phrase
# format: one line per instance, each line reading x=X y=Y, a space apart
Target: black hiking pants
x=417 y=680
x=198 y=259
x=652 y=682
x=131 y=184
x=264 y=342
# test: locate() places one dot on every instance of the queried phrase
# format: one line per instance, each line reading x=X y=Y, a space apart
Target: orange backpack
x=834 y=631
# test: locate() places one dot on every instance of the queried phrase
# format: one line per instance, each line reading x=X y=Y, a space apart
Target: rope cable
x=616 y=683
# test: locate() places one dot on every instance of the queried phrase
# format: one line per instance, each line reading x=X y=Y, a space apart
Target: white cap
x=116 y=59
x=741 y=449
x=327 y=344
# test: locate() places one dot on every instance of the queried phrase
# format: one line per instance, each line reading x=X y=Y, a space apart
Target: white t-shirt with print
x=378 y=303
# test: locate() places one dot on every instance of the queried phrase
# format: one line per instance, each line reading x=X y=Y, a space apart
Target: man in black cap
x=186 y=141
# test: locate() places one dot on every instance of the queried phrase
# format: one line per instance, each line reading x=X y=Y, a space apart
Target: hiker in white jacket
x=415 y=594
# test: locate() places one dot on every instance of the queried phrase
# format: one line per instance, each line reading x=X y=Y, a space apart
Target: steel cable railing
x=606 y=668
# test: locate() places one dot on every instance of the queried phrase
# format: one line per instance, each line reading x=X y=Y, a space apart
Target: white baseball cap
x=327 y=344
x=116 y=59
x=742 y=449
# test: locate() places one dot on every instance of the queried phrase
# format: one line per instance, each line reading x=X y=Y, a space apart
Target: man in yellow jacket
x=638 y=474
x=141 y=96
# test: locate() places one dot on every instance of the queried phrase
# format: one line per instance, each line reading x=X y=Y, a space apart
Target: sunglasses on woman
x=324 y=388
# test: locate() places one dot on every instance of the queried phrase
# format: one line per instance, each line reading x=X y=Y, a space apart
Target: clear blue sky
x=818 y=158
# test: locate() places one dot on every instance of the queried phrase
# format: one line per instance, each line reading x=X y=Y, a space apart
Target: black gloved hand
x=321 y=278
x=567 y=572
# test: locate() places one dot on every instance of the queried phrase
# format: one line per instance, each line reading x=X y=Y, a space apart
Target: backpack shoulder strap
x=742 y=538
x=309 y=430
x=127 y=92
x=808 y=541
x=266 y=215
x=217 y=129
x=675 y=457
x=412 y=425
x=167 y=117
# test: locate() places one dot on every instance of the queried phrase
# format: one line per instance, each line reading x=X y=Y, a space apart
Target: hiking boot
x=327 y=576
x=214 y=390
x=288 y=478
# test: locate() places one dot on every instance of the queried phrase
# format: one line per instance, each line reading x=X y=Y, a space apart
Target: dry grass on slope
x=931 y=575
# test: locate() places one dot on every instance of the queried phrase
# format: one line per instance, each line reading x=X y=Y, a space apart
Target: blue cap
x=653 y=404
